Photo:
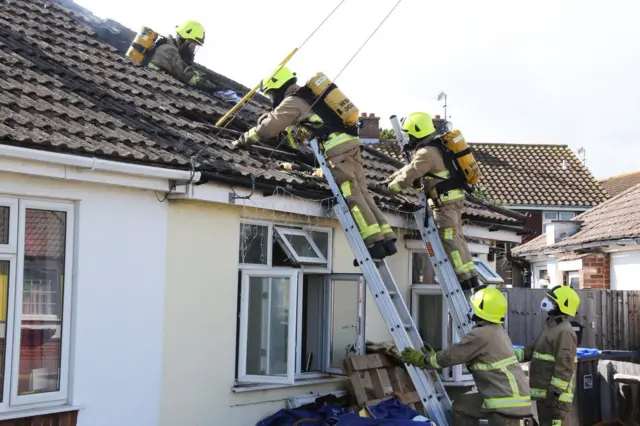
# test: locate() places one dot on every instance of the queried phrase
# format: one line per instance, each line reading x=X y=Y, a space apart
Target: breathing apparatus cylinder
x=455 y=142
x=141 y=45
x=328 y=93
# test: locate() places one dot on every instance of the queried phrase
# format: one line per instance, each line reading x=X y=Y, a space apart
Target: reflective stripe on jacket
x=290 y=112
x=553 y=361
x=426 y=160
x=489 y=355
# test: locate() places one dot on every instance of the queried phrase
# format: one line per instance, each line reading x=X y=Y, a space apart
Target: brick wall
x=595 y=271
x=59 y=419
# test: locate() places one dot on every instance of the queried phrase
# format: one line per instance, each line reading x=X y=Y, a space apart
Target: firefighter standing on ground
x=445 y=192
x=341 y=148
x=503 y=390
x=553 y=357
x=175 y=55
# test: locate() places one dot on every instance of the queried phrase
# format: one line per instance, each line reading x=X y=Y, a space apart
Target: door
x=345 y=311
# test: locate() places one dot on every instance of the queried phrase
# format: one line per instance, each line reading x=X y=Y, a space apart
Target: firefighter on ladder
x=503 y=389
x=445 y=192
x=552 y=372
x=341 y=149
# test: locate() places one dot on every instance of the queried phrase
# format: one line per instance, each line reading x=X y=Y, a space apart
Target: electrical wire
x=197 y=154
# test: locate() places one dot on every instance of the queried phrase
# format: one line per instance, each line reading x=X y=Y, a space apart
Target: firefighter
x=175 y=55
x=553 y=357
x=503 y=390
x=341 y=149
x=445 y=192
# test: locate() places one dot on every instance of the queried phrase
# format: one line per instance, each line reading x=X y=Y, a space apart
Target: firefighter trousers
x=348 y=173
x=548 y=416
x=467 y=411
x=449 y=221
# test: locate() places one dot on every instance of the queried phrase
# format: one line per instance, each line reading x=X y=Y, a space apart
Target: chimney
x=370 y=128
x=558 y=230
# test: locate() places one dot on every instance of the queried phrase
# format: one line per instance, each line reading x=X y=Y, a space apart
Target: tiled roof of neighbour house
x=530 y=174
x=65 y=90
x=616 y=219
x=45 y=232
x=617 y=184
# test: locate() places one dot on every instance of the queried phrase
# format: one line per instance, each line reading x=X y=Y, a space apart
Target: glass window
x=254 y=243
x=42 y=295
x=429 y=321
x=421 y=269
x=550 y=215
x=567 y=215
x=487 y=275
x=321 y=238
x=5 y=213
x=344 y=321
x=299 y=245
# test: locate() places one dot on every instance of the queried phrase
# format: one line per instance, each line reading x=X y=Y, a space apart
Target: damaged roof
x=616 y=219
x=66 y=90
x=530 y=174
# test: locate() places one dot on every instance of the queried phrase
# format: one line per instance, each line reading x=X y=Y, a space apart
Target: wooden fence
x=611 y=318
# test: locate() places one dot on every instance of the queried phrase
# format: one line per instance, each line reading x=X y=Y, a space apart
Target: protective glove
x=413 y=357
x=241 y=142
x=553 y=399
x=394 y=187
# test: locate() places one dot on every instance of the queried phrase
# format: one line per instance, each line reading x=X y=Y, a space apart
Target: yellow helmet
x=567 y=299
x=191 y=30
x=277 y=79
x=489 y=304
x=419 y=125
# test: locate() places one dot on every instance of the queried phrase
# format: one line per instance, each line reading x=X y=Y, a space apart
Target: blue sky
x=541 y=72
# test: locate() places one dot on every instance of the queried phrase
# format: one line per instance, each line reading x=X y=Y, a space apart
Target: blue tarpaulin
x=581 y=352
x=388 y=412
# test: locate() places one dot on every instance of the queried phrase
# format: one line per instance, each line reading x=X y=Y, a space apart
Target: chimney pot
x=437 y=117
x=363 y=114
x=372 y=114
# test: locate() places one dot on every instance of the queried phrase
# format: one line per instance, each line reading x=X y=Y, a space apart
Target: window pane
x=344 y=306
x=313 y=328
x=567 y=215
x=4 y=224
x=301 y=246
x=42 y=295
x=429 y=321
x=4 y=296
x=550 y=215
x=253 y=243
x=267 y=334
x=421 y=269
x=322 y=241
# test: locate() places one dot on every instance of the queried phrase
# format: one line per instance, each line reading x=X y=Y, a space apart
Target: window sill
x=240 y=388
x=31 y=412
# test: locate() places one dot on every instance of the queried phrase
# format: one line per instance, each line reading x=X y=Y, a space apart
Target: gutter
x=96 y=164
x=574 y=247
x=519 y=230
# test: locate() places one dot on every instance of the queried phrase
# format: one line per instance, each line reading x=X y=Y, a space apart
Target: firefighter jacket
x=489 y=355
x=167 y=58
x=553 y=361
x=293 y=111
x=426 y=160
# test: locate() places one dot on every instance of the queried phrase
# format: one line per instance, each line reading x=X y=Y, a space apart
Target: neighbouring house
x=597 y=249
x=617 y=184
x=151 y=275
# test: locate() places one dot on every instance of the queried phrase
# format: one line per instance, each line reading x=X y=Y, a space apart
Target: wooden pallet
x=378 y=369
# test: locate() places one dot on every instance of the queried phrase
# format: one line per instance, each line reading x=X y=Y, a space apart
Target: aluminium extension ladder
x=394 y=311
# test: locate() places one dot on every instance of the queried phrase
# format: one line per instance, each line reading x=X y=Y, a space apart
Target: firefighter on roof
x=553 y=357
x=503 y=390
x=175 y=55
x=445 y=192
x=336 y=133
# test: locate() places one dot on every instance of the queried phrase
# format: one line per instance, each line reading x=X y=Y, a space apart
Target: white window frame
x=294 y=278
x=573 y=274
x=282 y=232
x=62 y=393
x=309 y=268
x=557 y=215
x=450 y=374
x=12 y=246
x=9 y=330
x=361 y=301
x=494 y=278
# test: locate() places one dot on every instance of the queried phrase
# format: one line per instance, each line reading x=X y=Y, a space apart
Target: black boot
x=470 y=284
x=377 y=250
x=390 y=247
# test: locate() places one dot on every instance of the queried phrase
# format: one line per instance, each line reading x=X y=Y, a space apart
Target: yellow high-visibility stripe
x=448 y=234
x=386 y=228
x=494 y=365
x=559 y=383
x=520 y=401
x=335 y=141
x=345 y=188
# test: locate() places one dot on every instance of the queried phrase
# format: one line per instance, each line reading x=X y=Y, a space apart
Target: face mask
x=546 y=305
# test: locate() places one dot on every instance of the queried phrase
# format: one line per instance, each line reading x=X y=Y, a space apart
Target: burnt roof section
x=530 y=174
x=66 y=90
x=620 y=183
x=616 y=219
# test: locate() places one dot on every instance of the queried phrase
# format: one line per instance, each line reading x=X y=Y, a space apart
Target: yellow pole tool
x=249 y=95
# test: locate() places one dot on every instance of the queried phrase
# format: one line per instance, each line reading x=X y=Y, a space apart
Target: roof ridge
x=520 y=144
